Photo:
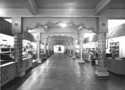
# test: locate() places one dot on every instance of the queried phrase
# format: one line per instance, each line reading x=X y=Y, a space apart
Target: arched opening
x=59 y=49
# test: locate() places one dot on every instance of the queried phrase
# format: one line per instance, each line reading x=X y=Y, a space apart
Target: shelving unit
x=114 y=49
x=6 y=55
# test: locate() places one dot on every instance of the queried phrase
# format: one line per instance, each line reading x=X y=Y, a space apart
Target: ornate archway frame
x=52 y=29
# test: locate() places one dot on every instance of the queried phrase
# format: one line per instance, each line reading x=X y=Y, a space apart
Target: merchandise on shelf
x=114 y=49
x=6 y=54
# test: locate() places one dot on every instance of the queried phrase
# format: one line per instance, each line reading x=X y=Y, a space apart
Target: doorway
x=59 y=49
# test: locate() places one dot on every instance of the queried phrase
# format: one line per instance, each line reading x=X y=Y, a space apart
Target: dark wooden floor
x=60 y=72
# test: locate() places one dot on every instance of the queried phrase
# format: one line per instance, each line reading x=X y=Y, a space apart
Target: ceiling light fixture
x=63 y=25
x=8 y=20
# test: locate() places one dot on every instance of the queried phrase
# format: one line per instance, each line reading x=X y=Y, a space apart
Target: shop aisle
x=60 y=72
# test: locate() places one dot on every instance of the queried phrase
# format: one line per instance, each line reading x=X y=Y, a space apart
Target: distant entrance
x=59 y=49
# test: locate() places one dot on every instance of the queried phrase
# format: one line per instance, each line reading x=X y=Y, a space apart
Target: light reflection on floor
x=60 y=72
x=37 y=73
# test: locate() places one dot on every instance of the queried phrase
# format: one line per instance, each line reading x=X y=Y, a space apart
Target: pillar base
x=102 y=73
x=20 y=73
x=73 y=57
x=70 y=55
x=38 y=60
x=81 y=61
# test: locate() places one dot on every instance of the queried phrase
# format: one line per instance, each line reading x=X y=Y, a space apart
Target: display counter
x=34 y=63
x=8 y=70
x=116 y=66
x=87 y=56
x=77 y=54
x=27 y=62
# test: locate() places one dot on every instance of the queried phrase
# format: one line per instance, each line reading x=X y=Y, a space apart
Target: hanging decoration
x=49 y=24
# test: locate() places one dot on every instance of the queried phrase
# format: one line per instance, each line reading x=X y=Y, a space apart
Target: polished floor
x=60 y=72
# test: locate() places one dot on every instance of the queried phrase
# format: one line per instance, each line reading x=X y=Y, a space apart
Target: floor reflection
x=60 y=72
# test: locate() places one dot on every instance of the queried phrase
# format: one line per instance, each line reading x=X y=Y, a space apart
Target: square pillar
x=48 y=49
x=18 y=55
x=70 y=49
x=81 y=60
x=38 y=48
x=74 y=49
x=80 y=37
x=101 y=71
x=67 y=50
x=45 y=46
x=18 y=45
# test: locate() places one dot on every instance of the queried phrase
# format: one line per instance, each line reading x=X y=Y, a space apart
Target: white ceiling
x=117 y=4
x=61 y=4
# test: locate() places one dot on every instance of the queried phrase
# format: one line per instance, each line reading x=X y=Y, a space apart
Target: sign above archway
x=50 y=27
x=56 y=25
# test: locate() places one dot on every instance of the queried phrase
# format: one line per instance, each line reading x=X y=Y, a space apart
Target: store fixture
x=6 y=48
x=114 y=49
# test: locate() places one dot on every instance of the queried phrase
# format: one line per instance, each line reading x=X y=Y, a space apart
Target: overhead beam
x=111 y=13
x=101 y=6
x=33 y=8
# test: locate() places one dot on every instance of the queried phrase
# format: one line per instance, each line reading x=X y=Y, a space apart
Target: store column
x=81 y=51
x=48 y=51
x=17 y=30
x=101 y=71
x=38 y=47
x=66 y=49
x=70 y=49
x=45 y=46
x=74 y=49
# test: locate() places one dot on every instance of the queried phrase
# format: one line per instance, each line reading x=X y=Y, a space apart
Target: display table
x=116 y=66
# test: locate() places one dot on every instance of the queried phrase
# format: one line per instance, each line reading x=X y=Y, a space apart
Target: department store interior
x=62 y=45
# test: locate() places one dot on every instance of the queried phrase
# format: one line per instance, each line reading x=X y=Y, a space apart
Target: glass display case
x=29 y=49
x=6 y=55
x=6 y=48
x=114 y=49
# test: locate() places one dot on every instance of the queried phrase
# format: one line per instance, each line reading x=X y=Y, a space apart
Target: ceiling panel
x=13 y=3
x=62 y=4
x=117 y=4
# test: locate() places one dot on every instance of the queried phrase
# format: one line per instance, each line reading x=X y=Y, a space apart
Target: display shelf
x=114 y=49
x=6 y=55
